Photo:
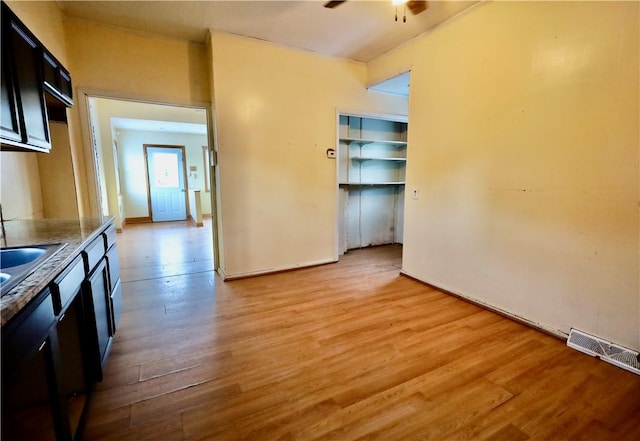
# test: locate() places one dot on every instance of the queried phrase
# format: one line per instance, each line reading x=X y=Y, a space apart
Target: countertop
x=76 y=233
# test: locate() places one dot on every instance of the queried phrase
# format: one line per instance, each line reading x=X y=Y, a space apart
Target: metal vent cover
x=605 y=350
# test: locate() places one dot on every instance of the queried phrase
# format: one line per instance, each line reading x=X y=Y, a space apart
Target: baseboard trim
x=229 y=278
x=137 y=220
x=516 y=318
x=194 y=222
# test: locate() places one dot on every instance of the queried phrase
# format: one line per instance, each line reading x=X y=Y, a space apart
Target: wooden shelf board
x=369 y=158
x=374 y=141
x=372 y=183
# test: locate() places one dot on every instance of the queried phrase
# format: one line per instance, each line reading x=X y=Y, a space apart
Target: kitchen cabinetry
x=103 y=295
x=45 y=373
x=74 y=378
x=97 y=296
x=372 y=154
x=54 y=349
x=28 y=70
x=29 y=393
x=57 y=80
x=9 y=126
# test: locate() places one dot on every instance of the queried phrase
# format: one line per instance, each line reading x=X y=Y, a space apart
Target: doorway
x=118 y=130
x=166 y=181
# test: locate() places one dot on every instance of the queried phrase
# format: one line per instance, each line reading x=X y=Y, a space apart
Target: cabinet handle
x=42 y=345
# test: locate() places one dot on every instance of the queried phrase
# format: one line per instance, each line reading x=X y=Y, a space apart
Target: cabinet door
x=113 y=265
x=28 y=400
x=9 y=127
x=116 y=305
x=64 y=85
x=56 y=80
x=30 y=409
x=74 y=378
x=27 y=61
x=98 y=301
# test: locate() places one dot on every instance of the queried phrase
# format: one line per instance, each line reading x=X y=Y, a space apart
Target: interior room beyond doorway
x=120 y=130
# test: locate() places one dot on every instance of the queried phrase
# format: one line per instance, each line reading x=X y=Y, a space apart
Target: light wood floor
x=345 y=351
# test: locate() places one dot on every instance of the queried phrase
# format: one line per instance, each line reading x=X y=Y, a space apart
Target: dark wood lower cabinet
x=98 y=301
x=28 y=398
x=55 y=349
x=74 y=375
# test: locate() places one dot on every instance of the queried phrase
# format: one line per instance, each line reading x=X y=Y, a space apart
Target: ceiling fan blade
x=333 y=4
x=416 y=6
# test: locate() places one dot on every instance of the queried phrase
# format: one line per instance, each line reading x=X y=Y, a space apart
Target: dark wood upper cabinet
x=57 y=80
x=29 y=71
x=30 y=87
x=9 y=126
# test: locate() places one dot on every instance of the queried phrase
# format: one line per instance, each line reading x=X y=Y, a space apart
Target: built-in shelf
x=372 y=158
x=373 y=141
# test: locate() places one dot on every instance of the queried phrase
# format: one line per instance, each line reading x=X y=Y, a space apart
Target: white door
x=166 y=184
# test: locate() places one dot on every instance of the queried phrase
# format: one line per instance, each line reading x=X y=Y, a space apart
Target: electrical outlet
x=415 y=193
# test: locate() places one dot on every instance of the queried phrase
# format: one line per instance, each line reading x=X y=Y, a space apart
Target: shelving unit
x=372 y=155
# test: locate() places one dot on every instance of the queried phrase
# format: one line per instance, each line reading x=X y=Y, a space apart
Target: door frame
x=88 y=170
x=184 y=174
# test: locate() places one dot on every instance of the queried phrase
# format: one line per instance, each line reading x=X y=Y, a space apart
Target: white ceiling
x=359 y=30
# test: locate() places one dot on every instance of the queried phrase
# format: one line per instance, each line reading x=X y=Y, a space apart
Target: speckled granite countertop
x=76 y=233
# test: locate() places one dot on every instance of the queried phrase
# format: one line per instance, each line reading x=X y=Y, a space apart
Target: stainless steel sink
x=12 y=257
x=17 y=263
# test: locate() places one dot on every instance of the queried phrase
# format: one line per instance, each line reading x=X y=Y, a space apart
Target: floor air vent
x=607 y=351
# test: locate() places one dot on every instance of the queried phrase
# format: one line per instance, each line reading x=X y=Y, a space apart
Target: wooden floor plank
x=344 y=351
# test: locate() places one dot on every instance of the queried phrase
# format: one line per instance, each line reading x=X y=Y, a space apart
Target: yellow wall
x=524 y=144
x=276 y=115
x=56 y=175
x=117 y=63
x=141 y=65
x=21 y=196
